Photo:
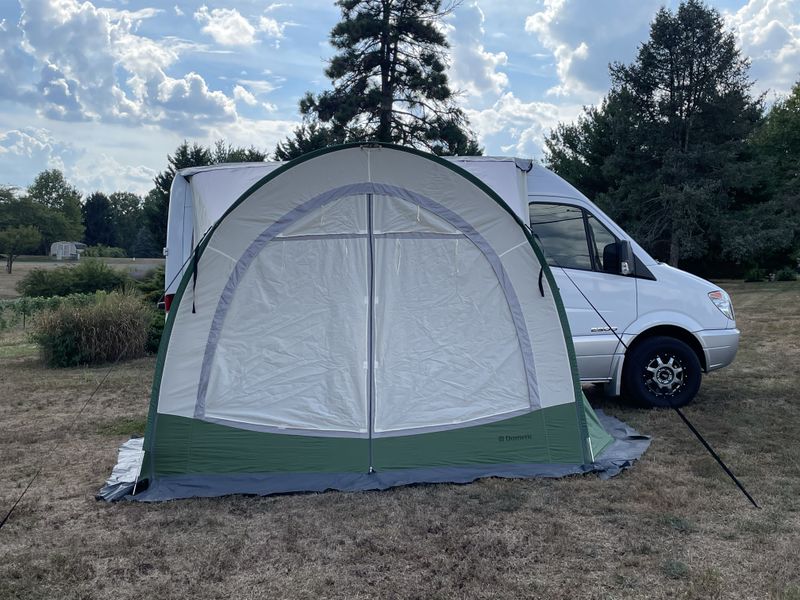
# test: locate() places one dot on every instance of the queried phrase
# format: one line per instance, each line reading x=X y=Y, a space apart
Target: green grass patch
x=21 y=350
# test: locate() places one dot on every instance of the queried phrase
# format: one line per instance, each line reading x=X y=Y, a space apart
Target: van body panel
x=614 y=297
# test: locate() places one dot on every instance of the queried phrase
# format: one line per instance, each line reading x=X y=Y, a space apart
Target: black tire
x=662 y=372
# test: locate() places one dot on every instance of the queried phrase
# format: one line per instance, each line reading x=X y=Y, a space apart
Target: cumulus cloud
x=585 y=35
x=103 y=172
x=474 y=69
x=94 y=66
x=227 y=26
x=523 y=124
x=27 y=151
x=241 y=94
x=768 y=32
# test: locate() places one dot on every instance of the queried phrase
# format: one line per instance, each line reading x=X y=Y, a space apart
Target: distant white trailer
x=66 y=250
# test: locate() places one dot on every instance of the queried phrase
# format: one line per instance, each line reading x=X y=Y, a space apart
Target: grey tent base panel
x=628 y=446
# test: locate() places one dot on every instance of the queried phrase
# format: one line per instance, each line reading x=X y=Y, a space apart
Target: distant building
x=67 y=250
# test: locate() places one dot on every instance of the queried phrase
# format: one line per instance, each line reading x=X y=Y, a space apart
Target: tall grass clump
x=87 y=277
x=117 y=325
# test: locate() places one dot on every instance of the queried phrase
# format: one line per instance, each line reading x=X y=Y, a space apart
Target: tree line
x=685 y=156
x=680 y=152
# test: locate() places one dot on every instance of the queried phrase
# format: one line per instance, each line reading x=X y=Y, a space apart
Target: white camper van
x=639 y=326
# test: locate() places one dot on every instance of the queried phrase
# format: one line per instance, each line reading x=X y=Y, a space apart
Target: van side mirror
x=625 y=257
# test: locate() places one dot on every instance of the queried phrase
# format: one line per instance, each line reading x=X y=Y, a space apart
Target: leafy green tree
x=766 y=227
x=51 y=189
x=98 y=220
x=18 y=240
x=389 y=81
x=16 y=211
x=126 y=213
x=666 y=152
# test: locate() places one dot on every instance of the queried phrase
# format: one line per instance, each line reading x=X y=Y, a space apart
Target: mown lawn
x=672 y=527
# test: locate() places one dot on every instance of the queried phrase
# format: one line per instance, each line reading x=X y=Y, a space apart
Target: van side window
x=603 y=244
x=561 y=232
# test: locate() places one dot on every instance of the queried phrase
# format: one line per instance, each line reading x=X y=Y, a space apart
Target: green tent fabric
x=365 y=317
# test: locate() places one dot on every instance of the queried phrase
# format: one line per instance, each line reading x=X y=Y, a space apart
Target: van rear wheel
x=662 y=372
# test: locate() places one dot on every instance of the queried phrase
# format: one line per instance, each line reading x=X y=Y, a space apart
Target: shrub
x=104 y=251
x=87 y=277
x=152 y=286
x=786 y=274
x=754 y=274
x=155 y=331
x=116 y=325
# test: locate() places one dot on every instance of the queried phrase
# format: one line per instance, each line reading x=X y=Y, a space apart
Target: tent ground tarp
x=627 y=446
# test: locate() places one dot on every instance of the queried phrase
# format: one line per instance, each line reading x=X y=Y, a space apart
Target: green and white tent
x=360 y=318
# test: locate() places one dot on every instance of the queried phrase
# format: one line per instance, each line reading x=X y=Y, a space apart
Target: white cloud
x=585 y=36
x=93 y=66
x=240 y=94
x=524 y=124
x=768 y=31
x=276 y=6
x=258 y=86
x=227 y=26
x=105 y=173
x=135 y=15
x=178 y=11
x=262 y=134
x=474 y=69
x=271 y=27
x=27 y=151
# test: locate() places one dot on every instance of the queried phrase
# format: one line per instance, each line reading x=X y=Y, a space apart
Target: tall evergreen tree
x=98 y=221
x=310 y=136
x=666 y=151
x=127 y=214
x=226 y=153
x=389 y=81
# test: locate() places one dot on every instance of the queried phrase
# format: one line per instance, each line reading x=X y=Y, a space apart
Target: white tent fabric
x=313 y=221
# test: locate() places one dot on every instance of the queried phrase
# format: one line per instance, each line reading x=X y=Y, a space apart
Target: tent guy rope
x=683 y=417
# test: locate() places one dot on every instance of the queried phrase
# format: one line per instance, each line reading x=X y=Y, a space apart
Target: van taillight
x=168 y=301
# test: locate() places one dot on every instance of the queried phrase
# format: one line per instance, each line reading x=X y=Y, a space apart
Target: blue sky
x=105 y=89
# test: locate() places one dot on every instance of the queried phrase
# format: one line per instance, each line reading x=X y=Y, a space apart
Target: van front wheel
x=663 y=372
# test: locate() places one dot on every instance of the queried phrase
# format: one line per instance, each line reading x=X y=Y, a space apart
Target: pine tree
x=98 y=220
x=389 y=81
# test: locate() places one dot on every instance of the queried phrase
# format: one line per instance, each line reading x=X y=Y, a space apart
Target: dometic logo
x=515 y=438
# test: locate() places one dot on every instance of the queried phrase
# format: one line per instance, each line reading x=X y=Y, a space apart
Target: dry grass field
x=672 y=527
